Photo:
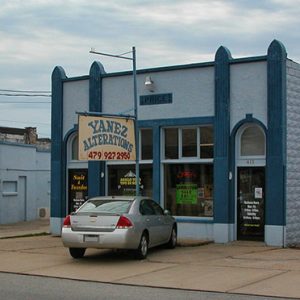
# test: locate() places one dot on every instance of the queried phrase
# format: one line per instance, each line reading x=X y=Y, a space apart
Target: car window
x=106 y=206
x=146 y=208
x=158 y=210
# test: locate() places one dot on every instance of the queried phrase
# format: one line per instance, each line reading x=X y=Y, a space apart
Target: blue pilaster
x=276 y=138
x=96 y=182
x=222 y=137
x=58 y=201
x=156 y=162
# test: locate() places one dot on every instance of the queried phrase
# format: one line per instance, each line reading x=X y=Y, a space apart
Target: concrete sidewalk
x=36 y=227
x=239 y=267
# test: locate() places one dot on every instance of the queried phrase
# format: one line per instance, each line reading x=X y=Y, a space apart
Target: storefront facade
x=218 y=144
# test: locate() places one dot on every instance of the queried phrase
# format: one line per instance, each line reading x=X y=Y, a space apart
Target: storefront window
x=171 y=143
x=189 y=189
x=189 y=142
x=122 y=180
x=252 y=142
x=146 y=142
x=206 y=142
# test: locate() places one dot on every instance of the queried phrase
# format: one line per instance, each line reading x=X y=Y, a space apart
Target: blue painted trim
x=58 y=197
x=188 y=66
x=8 y=143
x=96 y=182
x=156 y=163
x=232 y=192
x=172 y=68
x=176 y=122
x=190 y=220
x=276 y=139
x=76 y=78
x=67 y=136
x=222 y=136
x=245 y=60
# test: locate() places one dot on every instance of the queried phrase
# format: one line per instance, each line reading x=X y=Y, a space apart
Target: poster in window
x=78 y=188
x=186 y=193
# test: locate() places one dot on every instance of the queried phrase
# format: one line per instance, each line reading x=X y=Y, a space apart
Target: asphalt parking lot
x=239 y=267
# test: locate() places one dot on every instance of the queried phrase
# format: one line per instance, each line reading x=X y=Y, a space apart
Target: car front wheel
x=142 y=250
x=77 y=252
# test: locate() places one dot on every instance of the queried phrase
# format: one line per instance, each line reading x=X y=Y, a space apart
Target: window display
x=189 y=189
x=122 y=180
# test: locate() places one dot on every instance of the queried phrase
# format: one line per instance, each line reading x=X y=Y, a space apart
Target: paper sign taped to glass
x=106 y=138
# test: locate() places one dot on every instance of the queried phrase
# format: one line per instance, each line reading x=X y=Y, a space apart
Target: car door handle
x=148 y=220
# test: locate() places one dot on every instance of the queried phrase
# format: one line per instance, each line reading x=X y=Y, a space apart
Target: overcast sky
x=37 y=35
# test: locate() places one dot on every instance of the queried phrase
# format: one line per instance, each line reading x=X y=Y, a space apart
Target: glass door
x=251 y=203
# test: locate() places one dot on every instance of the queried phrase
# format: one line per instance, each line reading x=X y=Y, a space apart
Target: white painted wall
x=76 y=99
x=293 y=154
x=192 y=89
x=248 y=92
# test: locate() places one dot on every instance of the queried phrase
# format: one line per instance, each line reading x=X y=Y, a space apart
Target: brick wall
x=293 y=154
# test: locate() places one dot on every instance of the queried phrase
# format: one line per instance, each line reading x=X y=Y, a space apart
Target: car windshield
x=106 y=206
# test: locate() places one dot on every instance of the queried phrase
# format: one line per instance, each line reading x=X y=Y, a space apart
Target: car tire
x=77 y=252
x=173 y=239
x=142 y=250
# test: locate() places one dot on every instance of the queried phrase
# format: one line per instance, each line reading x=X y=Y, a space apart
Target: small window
x=10 y=187
x=252 y=142
x=189 y=142
x=171 y=143
x=146 y=142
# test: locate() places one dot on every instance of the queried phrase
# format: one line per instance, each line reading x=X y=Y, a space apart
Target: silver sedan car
x=117 y=222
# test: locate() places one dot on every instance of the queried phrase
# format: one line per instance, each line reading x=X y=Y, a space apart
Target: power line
x=24 y=95
x=21 y=102
x=23 y=91
x=24 y=122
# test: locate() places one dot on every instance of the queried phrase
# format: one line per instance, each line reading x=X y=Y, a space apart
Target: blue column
x=96 y=182
x=222 y=137
x=276 y=137
x=58 y=199
x=156 y=163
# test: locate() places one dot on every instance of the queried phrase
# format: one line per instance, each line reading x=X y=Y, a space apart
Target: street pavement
x=239 y=267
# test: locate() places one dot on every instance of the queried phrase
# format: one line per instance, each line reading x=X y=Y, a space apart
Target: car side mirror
x=167 y=212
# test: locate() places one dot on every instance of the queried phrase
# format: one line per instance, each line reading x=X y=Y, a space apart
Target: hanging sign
x=106 y=138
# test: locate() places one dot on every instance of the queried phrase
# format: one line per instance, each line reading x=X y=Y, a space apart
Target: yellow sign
x=106 y=138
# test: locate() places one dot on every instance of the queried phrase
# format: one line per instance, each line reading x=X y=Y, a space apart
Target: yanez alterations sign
x=106 y=138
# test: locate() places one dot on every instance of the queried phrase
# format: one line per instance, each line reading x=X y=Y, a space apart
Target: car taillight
x=67 y=221
x=124 y=223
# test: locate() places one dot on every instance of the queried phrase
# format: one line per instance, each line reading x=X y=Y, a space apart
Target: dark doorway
x=251 y=203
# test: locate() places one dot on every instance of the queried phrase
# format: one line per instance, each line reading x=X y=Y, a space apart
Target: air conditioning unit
x=44 y=213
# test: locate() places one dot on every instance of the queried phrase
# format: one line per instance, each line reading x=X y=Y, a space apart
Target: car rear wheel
x=77 y=252
x=142 y=250
x=173 y=239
